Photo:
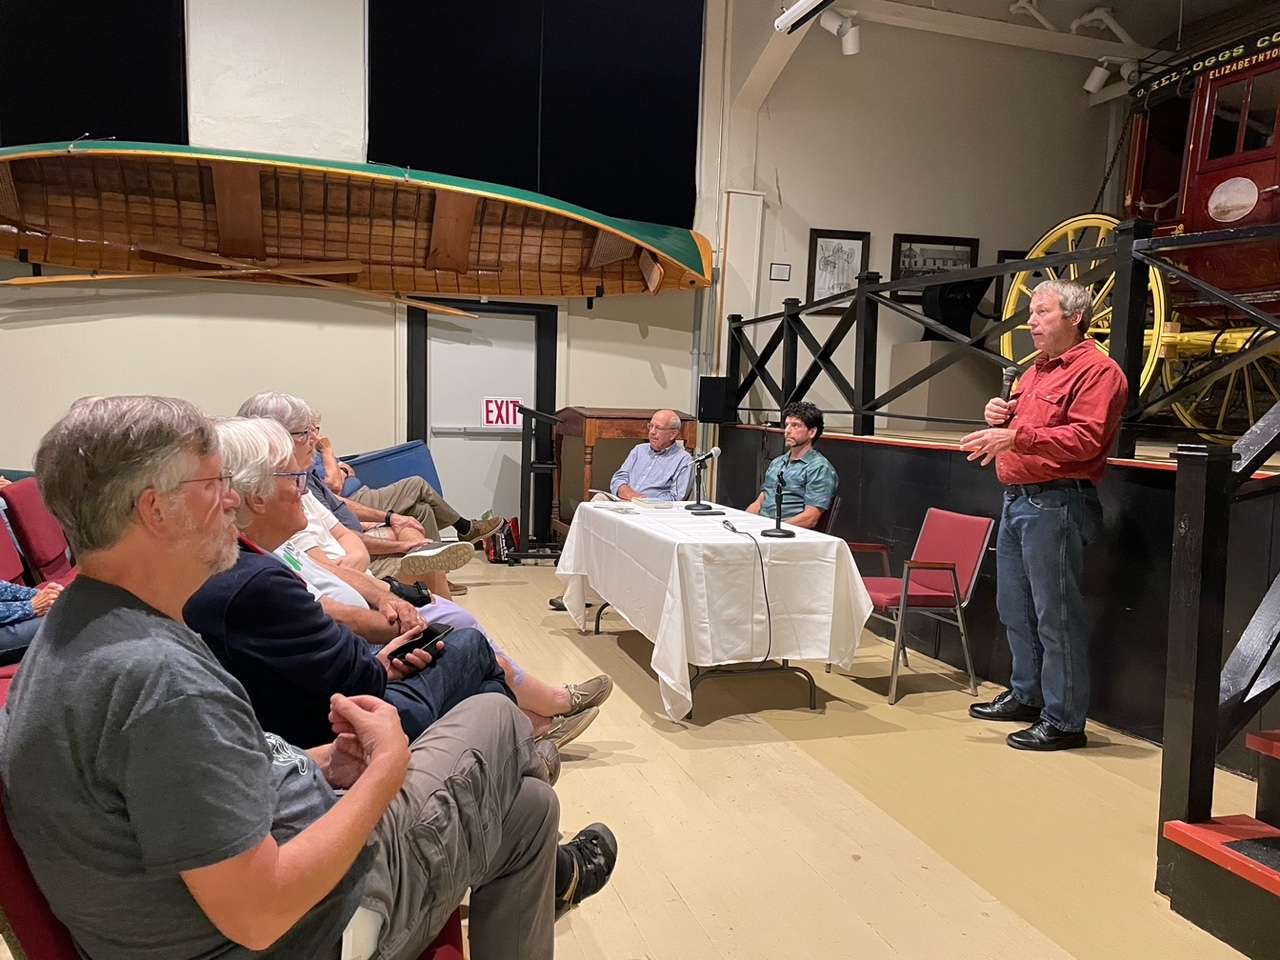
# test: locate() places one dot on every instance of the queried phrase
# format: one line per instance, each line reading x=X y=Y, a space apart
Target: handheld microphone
x=711 y=454
x=1007 y=376
x=728 y=525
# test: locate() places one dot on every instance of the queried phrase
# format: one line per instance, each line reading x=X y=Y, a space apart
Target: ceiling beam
x=237 y=194
x=452 y=222
x=911 y=17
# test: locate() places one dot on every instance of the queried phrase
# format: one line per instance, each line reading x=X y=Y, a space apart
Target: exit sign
x=500 y=412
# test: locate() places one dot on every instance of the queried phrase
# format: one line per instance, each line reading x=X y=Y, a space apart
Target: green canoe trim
x=673 y=243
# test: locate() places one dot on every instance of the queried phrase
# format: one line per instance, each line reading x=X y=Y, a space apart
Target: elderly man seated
x=658 y=469
x=231 y=839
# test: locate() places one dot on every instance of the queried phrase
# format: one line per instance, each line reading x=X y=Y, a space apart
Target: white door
x=467 y=362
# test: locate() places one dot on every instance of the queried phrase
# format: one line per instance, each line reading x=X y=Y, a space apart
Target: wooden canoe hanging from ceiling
x=118 y=209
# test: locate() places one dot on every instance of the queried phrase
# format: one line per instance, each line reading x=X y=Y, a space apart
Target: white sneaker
x=437 y=558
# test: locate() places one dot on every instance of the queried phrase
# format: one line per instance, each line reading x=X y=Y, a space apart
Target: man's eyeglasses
x=299 y=479
x=224 y=481
x=660 y=427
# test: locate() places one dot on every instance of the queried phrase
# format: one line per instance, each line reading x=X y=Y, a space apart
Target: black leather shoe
x=1045 y=736
x=1005 y=707
x=557 y=603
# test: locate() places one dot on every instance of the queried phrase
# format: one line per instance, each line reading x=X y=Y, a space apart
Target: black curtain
x=111 y=69
x=590 y=101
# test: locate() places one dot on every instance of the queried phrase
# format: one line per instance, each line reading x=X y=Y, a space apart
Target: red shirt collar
x=1068 y=357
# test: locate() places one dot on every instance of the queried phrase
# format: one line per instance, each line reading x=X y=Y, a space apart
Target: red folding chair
x=38 y=532
x=940 y=576
x=29 y=927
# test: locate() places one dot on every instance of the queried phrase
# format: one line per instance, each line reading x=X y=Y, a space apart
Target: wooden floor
x=861 y=831
x=765 y=830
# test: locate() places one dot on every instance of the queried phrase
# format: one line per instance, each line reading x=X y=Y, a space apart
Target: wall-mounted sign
x=780 y=271
x=500 y=412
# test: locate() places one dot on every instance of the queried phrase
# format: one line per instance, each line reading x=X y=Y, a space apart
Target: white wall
x=214 y=344
x=627 y=352
x=284 y=76
x=919 y=133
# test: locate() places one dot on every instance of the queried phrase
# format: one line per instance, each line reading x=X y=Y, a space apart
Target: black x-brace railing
x=861 y=316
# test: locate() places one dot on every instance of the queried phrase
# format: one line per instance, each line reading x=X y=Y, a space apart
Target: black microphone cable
x=764 y=583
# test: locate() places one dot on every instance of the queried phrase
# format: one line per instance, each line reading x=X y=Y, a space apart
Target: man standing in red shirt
x=1050 y=443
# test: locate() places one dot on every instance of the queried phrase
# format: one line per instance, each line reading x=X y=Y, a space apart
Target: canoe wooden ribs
x=109 y=207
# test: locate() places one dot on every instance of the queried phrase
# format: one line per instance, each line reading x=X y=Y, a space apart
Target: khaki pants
x=470 y=815
x=413 y=497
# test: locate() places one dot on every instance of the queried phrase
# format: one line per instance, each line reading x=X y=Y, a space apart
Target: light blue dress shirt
x=655 y=476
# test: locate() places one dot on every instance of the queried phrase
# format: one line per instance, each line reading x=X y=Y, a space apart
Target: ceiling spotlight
x=843 y=27
x=1097 y=78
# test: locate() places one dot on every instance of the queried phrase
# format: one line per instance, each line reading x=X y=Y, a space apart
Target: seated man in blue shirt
x=657 y=470
x=809 y=481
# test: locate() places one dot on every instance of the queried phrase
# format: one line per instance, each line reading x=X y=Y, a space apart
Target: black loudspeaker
x=953 y=304
x=715 y=401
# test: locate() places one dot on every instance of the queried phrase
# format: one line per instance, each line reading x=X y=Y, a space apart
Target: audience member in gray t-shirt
x=147 y=763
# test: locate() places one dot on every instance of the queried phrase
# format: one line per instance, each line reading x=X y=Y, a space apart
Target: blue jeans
x=1039 y=563
x=466 y=667
x=16 y=637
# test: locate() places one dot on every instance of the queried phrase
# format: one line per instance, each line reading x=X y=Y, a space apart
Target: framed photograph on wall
x=920 y=254
x=998 y=290
x=836 y=257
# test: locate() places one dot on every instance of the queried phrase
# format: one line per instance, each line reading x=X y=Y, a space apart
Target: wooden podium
x=603 y=423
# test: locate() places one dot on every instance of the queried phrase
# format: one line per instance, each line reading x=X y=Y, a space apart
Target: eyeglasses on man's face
x=661 y=428
x=299 y=478
x=223 y=480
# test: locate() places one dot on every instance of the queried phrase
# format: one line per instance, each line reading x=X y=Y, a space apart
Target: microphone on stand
x=698 y=507
x=776 y=530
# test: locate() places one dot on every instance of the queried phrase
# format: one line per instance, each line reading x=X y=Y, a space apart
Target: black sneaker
x=593 y=851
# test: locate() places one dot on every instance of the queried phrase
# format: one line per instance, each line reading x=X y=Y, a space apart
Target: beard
x=217 y=552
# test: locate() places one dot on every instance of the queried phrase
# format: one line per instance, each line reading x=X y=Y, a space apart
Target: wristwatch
x=388 y=521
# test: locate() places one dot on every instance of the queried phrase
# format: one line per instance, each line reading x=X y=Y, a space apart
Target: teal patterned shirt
x=810 y=481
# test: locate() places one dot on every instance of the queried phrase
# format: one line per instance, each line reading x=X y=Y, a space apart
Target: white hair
x=293 y=412
x=253 y=450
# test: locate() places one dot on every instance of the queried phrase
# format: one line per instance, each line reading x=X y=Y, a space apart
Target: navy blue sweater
x=272 y=636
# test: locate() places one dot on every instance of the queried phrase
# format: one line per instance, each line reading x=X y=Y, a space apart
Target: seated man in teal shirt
x=809 y=481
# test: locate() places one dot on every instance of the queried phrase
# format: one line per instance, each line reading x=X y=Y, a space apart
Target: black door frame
x=546 y=325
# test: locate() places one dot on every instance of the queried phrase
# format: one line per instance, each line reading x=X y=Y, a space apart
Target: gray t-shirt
x=128 y=755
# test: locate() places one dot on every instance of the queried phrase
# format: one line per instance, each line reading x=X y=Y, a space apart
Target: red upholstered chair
x=38 y=532
x=11 y=567
x=29 y=927
x=938 y=580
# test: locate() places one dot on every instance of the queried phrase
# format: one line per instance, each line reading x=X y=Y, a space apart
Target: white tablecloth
x=694 y=589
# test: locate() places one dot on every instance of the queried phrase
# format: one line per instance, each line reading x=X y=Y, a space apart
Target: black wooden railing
x=1131 y=254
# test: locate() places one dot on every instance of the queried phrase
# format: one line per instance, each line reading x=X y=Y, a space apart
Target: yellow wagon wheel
x=1082 y=232
x=1224 y=409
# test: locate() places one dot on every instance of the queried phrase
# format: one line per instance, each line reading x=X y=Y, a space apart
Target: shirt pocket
x=1049 y=409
